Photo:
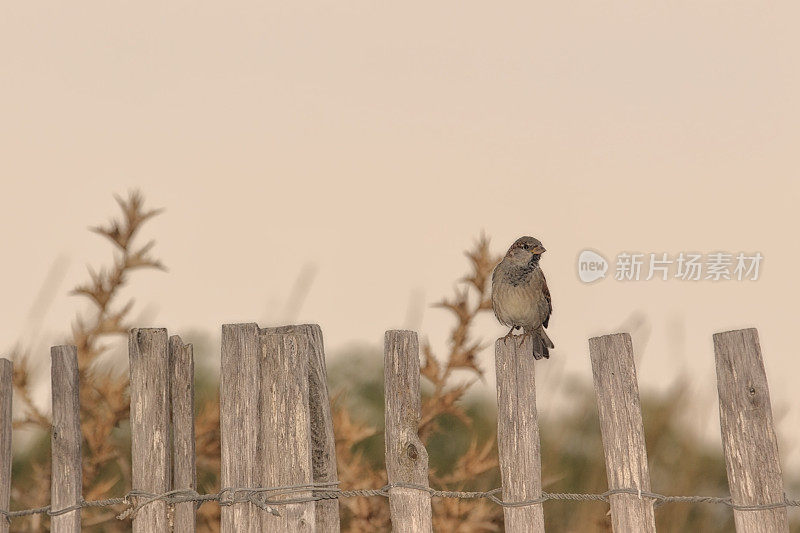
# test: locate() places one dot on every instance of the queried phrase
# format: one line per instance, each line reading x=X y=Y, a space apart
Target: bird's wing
x=548 y=302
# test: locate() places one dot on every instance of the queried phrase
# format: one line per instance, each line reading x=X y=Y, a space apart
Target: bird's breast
x=515 y=305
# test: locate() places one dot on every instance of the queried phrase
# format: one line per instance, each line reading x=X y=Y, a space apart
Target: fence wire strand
x=270 y=498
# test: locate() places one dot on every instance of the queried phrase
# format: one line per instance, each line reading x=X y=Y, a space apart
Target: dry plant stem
x=371 y=514
x=463 y=351
x=103 y=397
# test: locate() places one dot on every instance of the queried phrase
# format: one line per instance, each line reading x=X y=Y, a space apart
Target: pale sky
x=371 y=142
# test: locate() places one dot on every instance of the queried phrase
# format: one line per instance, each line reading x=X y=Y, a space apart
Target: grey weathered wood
x=518 y=434
x=748 y=432
x=66 y=476
x=184 y=474
x=240 y=423
x=6 y=373
x=150 y=423
x=620 y=413
x=286 y=444
x=323 y=441
x=406 y=456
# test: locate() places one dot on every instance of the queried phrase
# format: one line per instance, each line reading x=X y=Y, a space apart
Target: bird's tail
x=541 y=343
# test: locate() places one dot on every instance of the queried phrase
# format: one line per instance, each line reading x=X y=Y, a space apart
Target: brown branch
x=103 y=405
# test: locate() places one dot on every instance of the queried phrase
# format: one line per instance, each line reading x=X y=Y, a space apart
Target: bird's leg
x=510 y=333
x=525 y=333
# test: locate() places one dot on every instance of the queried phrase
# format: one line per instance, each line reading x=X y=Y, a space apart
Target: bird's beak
x=539 y=250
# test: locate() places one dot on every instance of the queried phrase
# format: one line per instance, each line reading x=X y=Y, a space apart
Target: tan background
x=366 y=144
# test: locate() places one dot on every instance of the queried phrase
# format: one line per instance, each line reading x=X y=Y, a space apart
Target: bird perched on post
x=520 y=297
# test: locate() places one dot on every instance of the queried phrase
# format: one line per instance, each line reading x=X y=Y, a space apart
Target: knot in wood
x=411 y=452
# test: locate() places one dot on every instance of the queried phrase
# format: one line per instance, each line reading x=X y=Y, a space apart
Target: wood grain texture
x=240 y=423
x=748 y=432
x=65 y=441
x=286 y=443
x=184 y=473
x=518 y=434
x=6 y=373
x=621 y=426
x=406 y=456
x=150 y=423
x=323 y=441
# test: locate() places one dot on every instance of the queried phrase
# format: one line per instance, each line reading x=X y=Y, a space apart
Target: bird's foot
x=509 y=334
x=522 y=339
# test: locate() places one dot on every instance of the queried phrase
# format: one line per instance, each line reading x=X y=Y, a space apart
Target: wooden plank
x=286 y=443
x=184 y=473
x=240 y=423
x=323 y=441
x=65 y=443
x=748 y=432
x=150 y=424
x=6 y=374
x=518 y=434
x=406 y=456
x=620 y=413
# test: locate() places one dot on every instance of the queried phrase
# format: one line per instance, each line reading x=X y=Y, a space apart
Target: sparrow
x=520 y=297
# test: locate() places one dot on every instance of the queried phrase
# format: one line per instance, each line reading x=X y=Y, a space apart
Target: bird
x=520 y=297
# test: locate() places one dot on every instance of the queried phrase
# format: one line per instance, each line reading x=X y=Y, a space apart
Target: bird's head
x=525 y=250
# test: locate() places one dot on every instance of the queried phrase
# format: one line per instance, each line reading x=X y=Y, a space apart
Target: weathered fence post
x=748 y=433
x=406 y=456
x=240 y=423
x=66 y=477
x=518 y=435
x=6 y=373
x=620 y=412
x=286 y=428
x=150 y=424
x=323 y=442
x=184 y=474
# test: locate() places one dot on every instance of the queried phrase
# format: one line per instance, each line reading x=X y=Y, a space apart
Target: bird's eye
x=525 y=246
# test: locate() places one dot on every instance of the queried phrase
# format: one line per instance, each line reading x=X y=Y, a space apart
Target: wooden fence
x=277 y=432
